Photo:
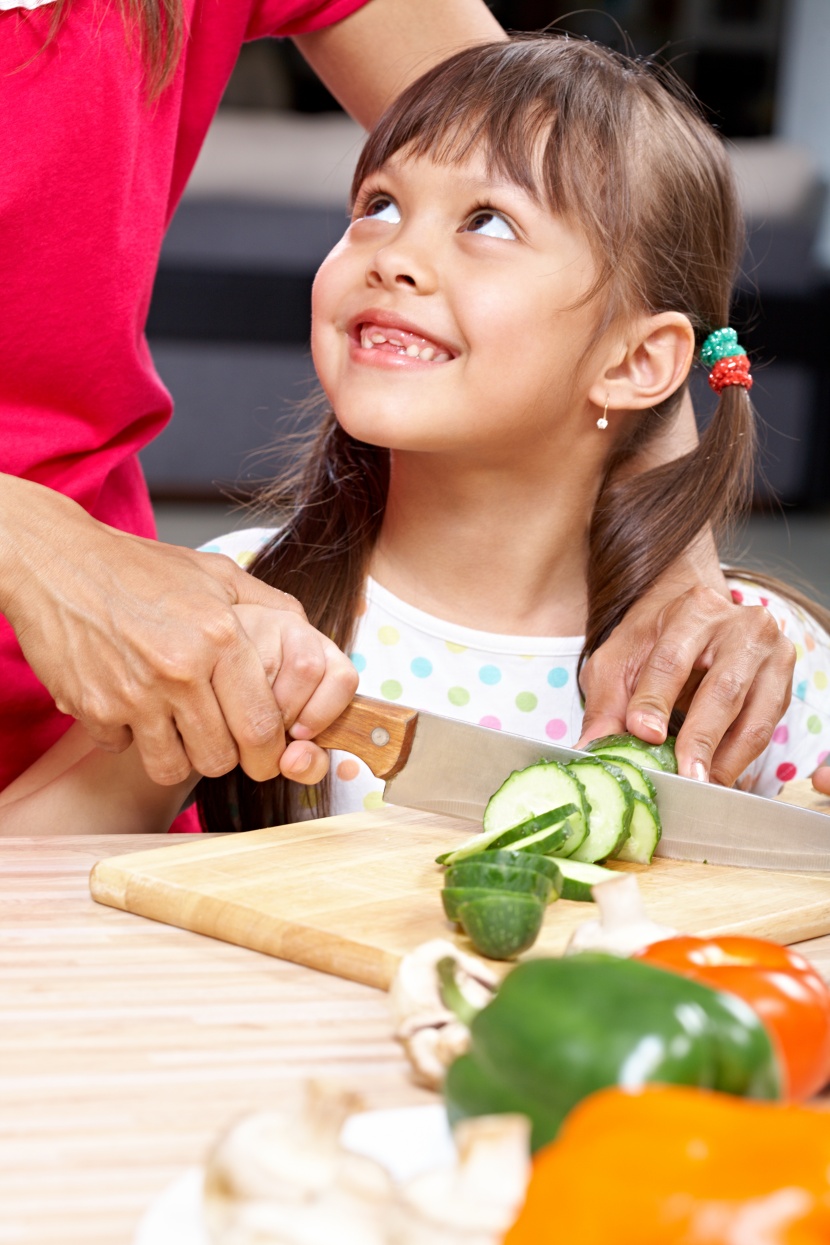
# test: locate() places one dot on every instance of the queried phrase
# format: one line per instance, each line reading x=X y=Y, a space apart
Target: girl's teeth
x=428 y=353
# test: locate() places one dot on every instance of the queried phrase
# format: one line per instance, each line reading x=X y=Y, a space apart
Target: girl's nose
x=399 y=264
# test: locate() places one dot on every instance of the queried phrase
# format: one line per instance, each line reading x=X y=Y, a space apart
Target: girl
x=544 y=237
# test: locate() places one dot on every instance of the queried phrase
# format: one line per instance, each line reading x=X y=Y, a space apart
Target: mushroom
x=282 y=1178
x=623 y=926
x=474 y=1201
x=432 y=1033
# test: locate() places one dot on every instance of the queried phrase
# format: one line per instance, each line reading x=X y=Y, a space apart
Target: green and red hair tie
x=727 y=360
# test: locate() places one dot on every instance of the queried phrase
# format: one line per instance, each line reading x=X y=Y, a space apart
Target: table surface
x=127 y=1047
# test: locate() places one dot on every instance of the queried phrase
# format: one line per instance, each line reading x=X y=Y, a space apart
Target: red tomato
x=788 y=994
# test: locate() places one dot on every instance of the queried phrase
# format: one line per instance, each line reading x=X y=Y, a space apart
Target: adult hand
x=139 y=640
x=728 y=665
x=312 y=682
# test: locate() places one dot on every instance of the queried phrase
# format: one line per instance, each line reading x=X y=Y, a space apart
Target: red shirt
x=90 y=175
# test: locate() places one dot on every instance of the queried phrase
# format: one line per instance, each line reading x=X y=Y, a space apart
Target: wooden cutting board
x=350 y=895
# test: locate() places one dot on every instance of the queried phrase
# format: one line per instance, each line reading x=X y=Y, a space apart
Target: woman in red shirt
x=102 y=122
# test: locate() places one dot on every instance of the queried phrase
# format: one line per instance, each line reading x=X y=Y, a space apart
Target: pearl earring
x=602 y=422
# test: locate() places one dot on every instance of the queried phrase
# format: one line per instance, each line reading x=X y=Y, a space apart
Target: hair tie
x=728 y=360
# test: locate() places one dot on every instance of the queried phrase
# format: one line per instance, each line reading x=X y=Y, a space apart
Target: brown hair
x=158 y=26
x=618 y=146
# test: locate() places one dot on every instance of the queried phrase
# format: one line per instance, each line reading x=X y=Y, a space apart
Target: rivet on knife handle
x=379 y=733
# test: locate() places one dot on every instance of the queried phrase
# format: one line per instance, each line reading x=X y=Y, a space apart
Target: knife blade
x=441 y=765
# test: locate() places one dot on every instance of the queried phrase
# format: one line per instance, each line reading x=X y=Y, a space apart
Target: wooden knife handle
x=379 y=733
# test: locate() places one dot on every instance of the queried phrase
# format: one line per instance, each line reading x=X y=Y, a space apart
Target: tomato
x=785 y=990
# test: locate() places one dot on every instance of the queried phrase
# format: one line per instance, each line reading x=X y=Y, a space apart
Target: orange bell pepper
x=672 y=1165
x=785 y=990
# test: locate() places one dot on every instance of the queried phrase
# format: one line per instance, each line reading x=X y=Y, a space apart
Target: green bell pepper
x=559 y=1029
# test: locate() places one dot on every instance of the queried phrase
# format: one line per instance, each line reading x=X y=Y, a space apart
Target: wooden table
x=126 y=1046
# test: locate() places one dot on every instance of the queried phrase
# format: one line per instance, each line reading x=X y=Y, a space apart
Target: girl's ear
x=648 y=365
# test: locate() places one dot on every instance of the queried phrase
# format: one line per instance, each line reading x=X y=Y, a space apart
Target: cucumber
x=637 y=777
x=532 y=884
x=503 y=877
x=502 y=923
x=565 y=821
x=512 y=860
x=533 y=791
x=644 y=832
x=611 y=803
x=627 y=748
x=578 y=878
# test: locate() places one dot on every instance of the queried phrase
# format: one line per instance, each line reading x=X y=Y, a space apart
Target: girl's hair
x=158 y=26
x=617 y=146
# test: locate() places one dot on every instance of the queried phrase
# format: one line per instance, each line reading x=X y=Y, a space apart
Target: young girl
x=544 y=238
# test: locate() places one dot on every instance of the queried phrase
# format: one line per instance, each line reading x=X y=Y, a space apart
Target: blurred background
x=230 y=313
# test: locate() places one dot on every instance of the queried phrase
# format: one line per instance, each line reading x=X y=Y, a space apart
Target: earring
x=602 y=422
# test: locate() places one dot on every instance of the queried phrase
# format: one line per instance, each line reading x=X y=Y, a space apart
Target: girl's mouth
x=400 y=343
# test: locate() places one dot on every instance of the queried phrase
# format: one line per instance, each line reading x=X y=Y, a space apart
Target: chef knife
x=444 y=766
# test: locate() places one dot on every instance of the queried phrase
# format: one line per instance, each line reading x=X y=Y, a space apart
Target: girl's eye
x=490 y=224
x=383 y=209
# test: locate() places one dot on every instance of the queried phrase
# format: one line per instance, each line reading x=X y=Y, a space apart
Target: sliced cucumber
x=513 y=860
x=533 y=791
x=501 y=924
x=534 y=885
x=502 y=877
x=637 y=777
x=565 y=822
x=644 y=832
x=578 y=878
x=611 y=803
x=627 y=748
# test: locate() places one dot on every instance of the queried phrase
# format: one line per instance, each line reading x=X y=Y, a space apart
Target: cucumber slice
x=611 y=803
x=637 y=777
x=502 y=877
x=533 y=885
x=533 y=791
x=578 y=878
x=627 y=748
x=566 y=821
x=513 y=860
x=644 y=832
x=502 y=924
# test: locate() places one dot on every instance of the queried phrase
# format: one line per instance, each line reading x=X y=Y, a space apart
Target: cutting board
x=351 y=895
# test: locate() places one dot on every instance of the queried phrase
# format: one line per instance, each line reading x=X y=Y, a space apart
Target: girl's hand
x=727 y=665
x=821 y=779
x=311 y=679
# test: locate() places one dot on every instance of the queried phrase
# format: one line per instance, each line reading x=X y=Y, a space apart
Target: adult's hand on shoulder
x=728 y=666
x=139 y=640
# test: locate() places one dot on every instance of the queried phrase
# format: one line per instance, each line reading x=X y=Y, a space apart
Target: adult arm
x=369 y=57
x=686 y=644
x=76 y=788
x=140 y=641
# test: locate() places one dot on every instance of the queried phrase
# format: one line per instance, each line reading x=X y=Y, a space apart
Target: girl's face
x=448 y=318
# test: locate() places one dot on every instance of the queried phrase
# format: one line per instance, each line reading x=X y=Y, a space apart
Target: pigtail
x=320 y=555
x=643 y=523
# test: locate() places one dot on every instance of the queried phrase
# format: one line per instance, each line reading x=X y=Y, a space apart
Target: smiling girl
x=544 y=239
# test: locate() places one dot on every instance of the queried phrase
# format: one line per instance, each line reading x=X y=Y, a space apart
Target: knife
x=443 y=766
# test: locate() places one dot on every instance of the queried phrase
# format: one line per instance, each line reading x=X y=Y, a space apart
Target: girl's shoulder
x=242 y=545
x=801 y=740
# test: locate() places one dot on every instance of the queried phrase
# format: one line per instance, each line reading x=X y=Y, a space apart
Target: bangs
x=536 y=110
